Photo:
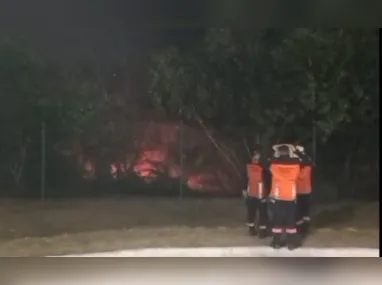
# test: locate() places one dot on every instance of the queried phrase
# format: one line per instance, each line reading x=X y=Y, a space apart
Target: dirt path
x=68 y=227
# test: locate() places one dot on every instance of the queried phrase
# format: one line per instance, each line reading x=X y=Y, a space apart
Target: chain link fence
x=160 y=157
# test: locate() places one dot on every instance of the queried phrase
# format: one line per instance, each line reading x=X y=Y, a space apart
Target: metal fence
x=154 y=157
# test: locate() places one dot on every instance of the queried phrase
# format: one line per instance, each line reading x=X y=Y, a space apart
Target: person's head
x=283 y=150
x=255 y=157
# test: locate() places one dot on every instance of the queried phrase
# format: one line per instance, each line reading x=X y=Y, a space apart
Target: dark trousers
x=284 y=216
x=303 y=208
x=257 y=212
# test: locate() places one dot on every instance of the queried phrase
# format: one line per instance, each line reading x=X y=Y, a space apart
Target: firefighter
x=304 y=190
x=255 y=195
x=285 y=169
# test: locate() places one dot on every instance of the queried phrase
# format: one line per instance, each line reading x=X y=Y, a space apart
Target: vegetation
x=272 y=85
x=258 y=85
x=272 y=80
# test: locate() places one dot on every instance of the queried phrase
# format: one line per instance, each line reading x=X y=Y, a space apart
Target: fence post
x=314 y=145
x=181 y=159
x=43 y=162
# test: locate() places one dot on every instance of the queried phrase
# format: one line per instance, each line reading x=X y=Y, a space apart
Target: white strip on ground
x=236 y=252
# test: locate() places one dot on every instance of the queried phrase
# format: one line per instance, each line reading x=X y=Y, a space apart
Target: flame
x=174 y=171
x=203 y=182
x=151 y=162
x=89 y=167
x=145 y=169
x=153 y=155
x=113 y=169
x=156 y=155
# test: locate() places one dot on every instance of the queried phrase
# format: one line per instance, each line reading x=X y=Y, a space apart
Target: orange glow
x=89 y=167
x=113 y=169
x=157 y=146
x=153 y=155
x=144 y=168
x=203 y=182
x=194 y=182
x=174 y=171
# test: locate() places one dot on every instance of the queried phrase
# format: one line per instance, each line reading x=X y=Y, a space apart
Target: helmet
x=256 y=156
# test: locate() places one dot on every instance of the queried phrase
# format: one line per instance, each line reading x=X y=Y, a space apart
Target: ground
x=82 y=226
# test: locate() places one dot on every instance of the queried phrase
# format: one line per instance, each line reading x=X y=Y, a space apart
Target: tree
x=33 y=91
x=268 y=80
x=334 y=62
x=274 y=84
x=23 y=93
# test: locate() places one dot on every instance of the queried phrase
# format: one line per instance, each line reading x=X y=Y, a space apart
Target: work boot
x=276 y=241
x=252 y=231
x=304 y=229
x=293 y=241
x=299 y=227
x=263 y=233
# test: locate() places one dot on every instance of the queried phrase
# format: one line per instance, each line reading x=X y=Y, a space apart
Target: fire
x=145 y=169
x=152 y=162
x=89 y=170
x=157 y=146
x=174 y=171
x=89 y=167
x=114 y=171
x=203 y=182
x=194 y=182
x=153 y=155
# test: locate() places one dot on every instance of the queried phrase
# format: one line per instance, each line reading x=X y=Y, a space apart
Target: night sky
x=108 y=30
x=99 y=30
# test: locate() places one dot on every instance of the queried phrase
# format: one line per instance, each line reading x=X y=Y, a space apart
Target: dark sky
x=106 y=30
x=102 y=30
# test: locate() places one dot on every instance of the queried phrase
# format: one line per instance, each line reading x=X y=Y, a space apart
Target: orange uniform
x=284 y=178
x=304 y=181
x=256 y=198
x=255 y=181
x=285 y=172
x=304 y=190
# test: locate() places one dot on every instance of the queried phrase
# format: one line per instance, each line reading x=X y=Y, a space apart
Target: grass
x=30 y=228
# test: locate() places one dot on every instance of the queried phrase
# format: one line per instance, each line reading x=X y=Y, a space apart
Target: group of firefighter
x=277 y=195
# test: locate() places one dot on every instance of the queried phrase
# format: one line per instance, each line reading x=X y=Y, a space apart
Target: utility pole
x=43 y=162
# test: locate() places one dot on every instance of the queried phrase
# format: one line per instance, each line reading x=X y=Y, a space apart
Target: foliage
x=33 y=91
x=271 y=80
x=267 y=84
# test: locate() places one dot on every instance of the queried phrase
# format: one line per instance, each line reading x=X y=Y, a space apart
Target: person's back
x=304 y=190
x=256 y=173
x=256 y=195
x=285 y=170
x=255 y=180
x=304 y=181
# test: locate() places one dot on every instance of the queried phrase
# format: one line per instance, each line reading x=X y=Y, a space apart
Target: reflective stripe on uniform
x=300 y=222
x=250 y=224
x=307 y=219
x=262 y=227
x=277 y=230
x=277 y=191
x=291 y=231
x=260 y=190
